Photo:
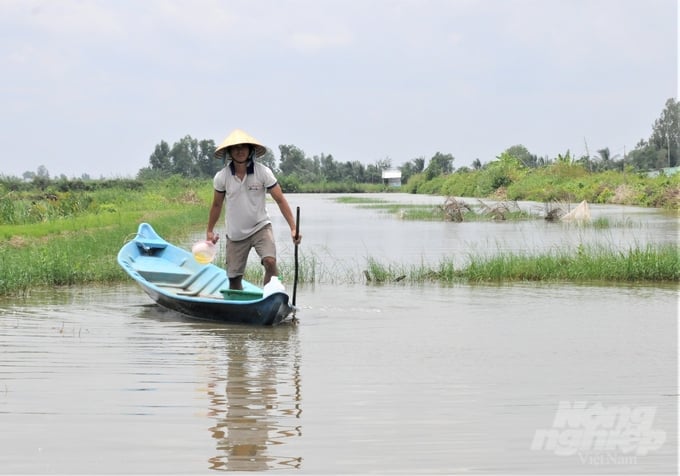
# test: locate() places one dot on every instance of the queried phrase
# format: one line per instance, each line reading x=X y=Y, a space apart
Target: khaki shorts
x=238 y=251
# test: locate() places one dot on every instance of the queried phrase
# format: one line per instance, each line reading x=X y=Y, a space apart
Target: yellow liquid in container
x=204 y=252
x=203 y=258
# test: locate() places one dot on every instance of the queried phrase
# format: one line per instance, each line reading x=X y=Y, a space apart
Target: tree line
x=190 y=157
x=193 y=158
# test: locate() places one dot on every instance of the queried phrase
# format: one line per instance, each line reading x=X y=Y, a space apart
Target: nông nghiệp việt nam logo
x=598 y=434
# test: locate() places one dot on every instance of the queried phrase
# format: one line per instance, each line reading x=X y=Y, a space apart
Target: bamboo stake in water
x=297 y=235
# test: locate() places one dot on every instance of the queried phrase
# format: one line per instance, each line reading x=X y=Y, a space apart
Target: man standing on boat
x=244 y=184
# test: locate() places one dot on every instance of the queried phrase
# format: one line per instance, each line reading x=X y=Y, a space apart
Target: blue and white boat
x=175 y=280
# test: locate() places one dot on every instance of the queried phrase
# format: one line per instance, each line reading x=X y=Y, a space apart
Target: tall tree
x=645 y=157
x=184 y=156
x=292 y=160
x=522 y=154
x=329 y=168
x=412 y=167
x=666 y=132
x=439 y=164
x=160 y=159
x=42 y=172
x=206 y=163
x=353 y=171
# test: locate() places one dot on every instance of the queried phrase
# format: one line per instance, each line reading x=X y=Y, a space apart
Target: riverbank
x=559 y=182
x=77 y=240
x=72 y=238
x=77 y=256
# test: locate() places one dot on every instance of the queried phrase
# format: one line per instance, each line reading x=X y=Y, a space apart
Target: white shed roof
x=391 y=174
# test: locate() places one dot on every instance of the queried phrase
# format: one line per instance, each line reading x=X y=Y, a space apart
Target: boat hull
x=270 y=311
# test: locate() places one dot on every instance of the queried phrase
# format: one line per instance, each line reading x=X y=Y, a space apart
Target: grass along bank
x=653 y=263
x=83 y=255
x=562 y=181
x=78 y=244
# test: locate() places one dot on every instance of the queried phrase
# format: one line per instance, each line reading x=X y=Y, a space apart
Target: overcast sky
x=92 y=86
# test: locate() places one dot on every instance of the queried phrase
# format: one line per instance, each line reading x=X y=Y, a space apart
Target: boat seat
x=151 y=244
x=190 y=281
x=205 y=285
x=159 y=271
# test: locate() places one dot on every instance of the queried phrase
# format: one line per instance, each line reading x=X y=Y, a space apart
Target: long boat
x=175 y=280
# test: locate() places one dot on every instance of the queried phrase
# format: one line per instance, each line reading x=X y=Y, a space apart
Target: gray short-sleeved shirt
x=246 y=211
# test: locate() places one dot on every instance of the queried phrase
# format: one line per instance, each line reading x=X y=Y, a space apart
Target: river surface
x=410 y=379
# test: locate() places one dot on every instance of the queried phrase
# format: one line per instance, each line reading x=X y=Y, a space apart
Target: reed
x=307 y=271
x=312 y=269
x=652 y=263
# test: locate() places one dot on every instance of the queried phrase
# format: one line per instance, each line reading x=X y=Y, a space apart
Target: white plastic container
x=273 y=286
x=204 y=251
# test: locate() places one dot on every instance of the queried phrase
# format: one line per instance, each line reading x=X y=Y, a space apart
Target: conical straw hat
x=237 y=136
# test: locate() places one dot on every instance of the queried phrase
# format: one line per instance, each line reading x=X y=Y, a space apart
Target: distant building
x=392 y=177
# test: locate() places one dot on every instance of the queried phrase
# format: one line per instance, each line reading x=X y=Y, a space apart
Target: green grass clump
x=653 y=263
x=308 y=271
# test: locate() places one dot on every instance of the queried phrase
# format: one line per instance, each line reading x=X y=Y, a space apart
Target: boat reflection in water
x=254 y=391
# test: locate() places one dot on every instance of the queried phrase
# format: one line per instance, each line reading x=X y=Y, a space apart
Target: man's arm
x=214 y=215
x=280 y=199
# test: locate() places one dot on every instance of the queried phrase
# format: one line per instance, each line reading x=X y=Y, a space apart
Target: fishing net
x=581 y=213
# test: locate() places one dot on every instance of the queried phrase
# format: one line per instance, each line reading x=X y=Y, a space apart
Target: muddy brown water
x=396 y=378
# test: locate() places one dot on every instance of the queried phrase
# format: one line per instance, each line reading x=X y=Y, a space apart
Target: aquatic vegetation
x=453 y=209
x=652 y=263
x=459 y=210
